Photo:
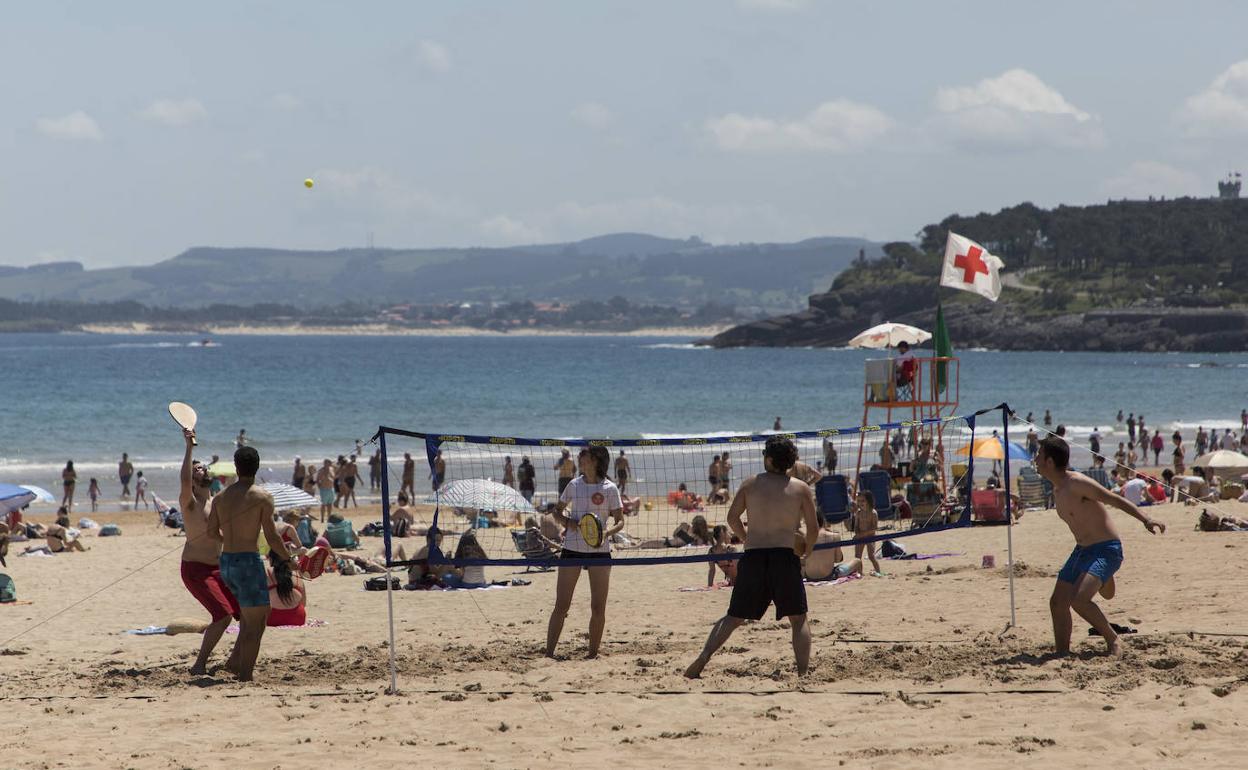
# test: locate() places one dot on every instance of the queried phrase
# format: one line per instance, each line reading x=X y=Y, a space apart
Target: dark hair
x=402 y=498
x=699 y=528
x=1167 y=474
x=283 y=580
x=1057 y=450
x=870 y=498
x=782 y=452
x=468 y=547
x=717 y=529
x=246 y=461
x=602 y=459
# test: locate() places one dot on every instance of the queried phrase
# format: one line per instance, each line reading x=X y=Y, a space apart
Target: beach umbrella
x=482 y=495
x=288 y=498
x=994 y=448
x=1222 y=460
x=41 y=495
x=889 y=335
x=13 y=497
x=222 y=468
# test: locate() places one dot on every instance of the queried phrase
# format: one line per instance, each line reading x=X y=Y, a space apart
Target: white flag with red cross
x=969 y=267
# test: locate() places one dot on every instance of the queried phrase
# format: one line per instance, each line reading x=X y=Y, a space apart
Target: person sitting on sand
x=472 y=576
x=685 y=500
x=727 y=566
x=535 y=540
x=1097 y=555
x=59 y=538
x=828 y=563
x=421 y=572
x=288 y=599
x=402 y=522
x=865 y=521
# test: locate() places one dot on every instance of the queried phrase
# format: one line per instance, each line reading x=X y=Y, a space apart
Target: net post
x=1009 y=511
x=385 y=518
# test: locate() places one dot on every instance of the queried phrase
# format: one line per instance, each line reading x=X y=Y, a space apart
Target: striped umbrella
x=288 y=498
x=481 y=494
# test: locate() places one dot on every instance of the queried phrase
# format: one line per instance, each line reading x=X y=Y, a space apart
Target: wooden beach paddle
x=185 y=416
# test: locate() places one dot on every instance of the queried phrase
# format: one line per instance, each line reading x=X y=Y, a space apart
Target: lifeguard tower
x=908 y=390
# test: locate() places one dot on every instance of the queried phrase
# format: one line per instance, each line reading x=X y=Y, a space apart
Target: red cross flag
x=969 y=267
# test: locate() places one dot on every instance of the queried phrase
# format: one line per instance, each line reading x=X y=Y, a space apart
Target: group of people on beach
x=125 y=471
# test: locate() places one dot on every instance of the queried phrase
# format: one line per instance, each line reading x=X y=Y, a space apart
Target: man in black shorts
x=770 y=571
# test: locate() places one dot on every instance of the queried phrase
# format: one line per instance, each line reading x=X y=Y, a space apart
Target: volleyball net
x=497 y=491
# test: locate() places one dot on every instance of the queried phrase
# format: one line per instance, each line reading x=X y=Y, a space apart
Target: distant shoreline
x=403 y=331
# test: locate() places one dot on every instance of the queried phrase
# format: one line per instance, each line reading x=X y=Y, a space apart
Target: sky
x=132 y=131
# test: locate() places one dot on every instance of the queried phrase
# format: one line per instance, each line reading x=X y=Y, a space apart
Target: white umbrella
x=482 y=495
x=42 y=495
x=1222 y=460
x=288 y=498
x=889 y=335
x=13 y=497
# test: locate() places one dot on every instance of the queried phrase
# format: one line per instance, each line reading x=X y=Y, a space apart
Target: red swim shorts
x=205 y=584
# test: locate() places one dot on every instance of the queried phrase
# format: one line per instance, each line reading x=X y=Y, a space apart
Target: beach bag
x=110 y=530
x=304 y=530
x=339 y=534
x=379 y=583
x=8 y=591
x=890 y=549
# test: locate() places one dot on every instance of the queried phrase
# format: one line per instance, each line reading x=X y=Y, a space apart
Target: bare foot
x=1113 y=648
x=1108 y=589
x=695 y=668
x=591 y=656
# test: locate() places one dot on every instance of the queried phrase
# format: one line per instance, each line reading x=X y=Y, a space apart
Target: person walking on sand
x=239 y=514
x=770 y=571
x=201 y=573
x=566 y=469
x=509 y=473
x=300 y=472
x=591 y=493
x=93 y=491
x=140 y=491
x=325 y=485
x=623 y=470
x=69 y=479
x=439 y=471
x=409 y=476
x=1090 y=569
x=350 y=479
x=125 y=469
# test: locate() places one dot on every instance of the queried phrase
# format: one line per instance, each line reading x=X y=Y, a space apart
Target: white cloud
x=1222 y=108
x=772 y=5
x=174 y=112
x=1013 y=110
x=370 y=188
x=591 y=114
x=834 y=126
x=434 y=55
x=1146 y=178
x=286 y=101
x=75 y=126
x=505 y=230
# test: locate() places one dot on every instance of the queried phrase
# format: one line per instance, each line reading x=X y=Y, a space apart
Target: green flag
x=944 y=349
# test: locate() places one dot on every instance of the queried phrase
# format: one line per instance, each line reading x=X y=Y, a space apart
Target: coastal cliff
x=1146 y=276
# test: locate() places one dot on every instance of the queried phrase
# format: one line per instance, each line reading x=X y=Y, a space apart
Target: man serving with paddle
x=583 y=508
x=200 y=571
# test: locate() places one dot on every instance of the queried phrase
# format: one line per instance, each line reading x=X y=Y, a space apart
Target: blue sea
x=90 y=397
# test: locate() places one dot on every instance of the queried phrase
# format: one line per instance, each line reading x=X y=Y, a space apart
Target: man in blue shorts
x=770 y=571
x=1080 y=503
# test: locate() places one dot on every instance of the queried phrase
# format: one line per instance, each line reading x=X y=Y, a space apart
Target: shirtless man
x=827 y=563
x=238 y=515
x=409 y=475
x=200 y=572
x=623 y=470
x=325 y=486
x=402 y=522
x=771 y=569
x=803 y=472
x=566 y=468
x=350 y=477
x=125 y=469
x=439 y=471
x=1080 y=503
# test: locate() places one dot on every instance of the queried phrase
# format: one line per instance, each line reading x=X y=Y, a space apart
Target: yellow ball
x=307 y=183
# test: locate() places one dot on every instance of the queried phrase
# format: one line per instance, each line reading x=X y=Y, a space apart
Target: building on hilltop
x=1228 y=189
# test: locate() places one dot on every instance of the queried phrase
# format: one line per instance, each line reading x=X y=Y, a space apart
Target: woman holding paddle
x=583 y=508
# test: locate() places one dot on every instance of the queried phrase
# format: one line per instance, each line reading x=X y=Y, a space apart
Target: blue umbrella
x=13 y=497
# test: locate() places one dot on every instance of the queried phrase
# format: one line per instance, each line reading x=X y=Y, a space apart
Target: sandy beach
x=909 y=668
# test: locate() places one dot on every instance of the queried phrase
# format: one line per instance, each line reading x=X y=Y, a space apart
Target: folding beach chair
x=832 y=498
x=988 y=505
x=533 y=549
